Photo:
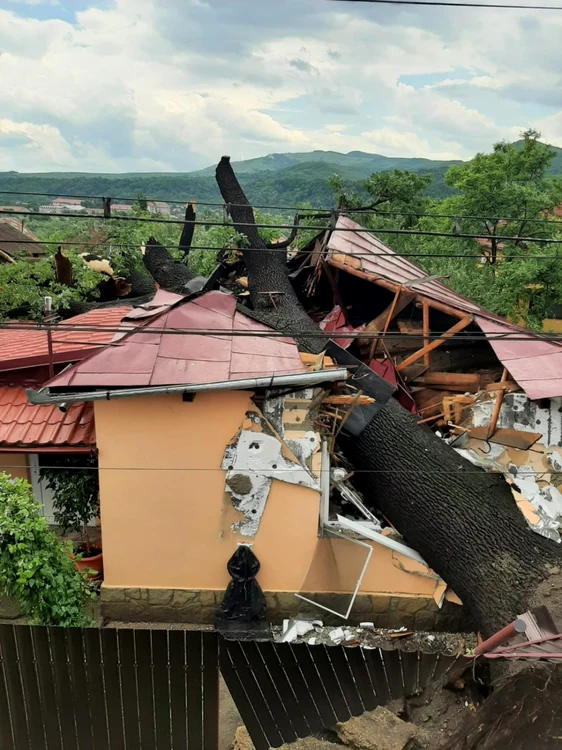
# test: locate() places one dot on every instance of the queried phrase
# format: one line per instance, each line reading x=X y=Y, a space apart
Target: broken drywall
x=255 y=457
x=518 y=412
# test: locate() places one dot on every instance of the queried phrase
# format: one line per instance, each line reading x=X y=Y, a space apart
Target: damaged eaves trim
x=301 y=379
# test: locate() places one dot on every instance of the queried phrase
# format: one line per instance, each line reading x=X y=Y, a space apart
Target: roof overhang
x=296 y=380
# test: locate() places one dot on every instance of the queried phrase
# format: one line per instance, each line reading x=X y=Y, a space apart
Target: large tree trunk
x=462 y=520
x=271 y=292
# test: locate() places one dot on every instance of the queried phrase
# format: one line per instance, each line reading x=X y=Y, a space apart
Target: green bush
x=35 y=567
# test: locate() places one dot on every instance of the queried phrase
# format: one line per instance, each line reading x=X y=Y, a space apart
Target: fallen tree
x=462 y=520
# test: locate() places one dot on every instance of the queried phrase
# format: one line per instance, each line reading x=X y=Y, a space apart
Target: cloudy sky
x=171 y=85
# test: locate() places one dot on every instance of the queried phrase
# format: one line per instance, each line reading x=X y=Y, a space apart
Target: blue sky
x=171 y=85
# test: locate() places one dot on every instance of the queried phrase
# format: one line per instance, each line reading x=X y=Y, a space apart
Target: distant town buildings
x=62 y=206
x=158 y=207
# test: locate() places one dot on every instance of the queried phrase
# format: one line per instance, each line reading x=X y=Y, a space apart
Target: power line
x=117 y=245
x=454 y=4
x=282 y=471
x=362 y=230
x=319 y=334
x=325 y=209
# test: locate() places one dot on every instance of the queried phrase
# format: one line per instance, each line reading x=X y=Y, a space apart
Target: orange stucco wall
x=15 y=464
x=166 y=518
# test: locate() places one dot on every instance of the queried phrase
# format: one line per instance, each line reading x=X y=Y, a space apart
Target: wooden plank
x=78 y=678
x=126 y=646
x=497 y=407
x=242 y=701
x=509 y=438
x=393 y=672
x=302 y=693
x=194 y=653
x=328 y=676
x=178 y=692
x=373 y=660
x=252 y=690
x=45 y=677
x=284 y=688
x=314 y=683
x=112 y=681
x=6 y=735
x=269 y=692
x=63 y=687
x=96 y=690
x=143 y=659
x=425 y=324
x=15 y=687
x=362 y=679
x=30 y=686
x=161 y=688
x=461 y=325
x=342 y=669
x=401 y=300
x=210 y=691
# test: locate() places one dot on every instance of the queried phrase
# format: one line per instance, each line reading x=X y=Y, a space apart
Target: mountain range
x=275 y=179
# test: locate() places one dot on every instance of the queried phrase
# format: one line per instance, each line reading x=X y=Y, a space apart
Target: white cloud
x=143 y=84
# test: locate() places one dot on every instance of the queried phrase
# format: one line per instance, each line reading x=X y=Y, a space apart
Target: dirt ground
x=229 y=718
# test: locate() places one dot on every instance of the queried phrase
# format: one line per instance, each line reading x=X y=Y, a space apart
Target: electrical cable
x=362 y=230
x=284 y=208
x=118 y=245
x=454 y=4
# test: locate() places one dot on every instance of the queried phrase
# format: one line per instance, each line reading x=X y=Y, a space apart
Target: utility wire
x=362 y=230
x=118 y=245
x=338 y=211
x=319 y=334
x=277 y=471
x=453 y=4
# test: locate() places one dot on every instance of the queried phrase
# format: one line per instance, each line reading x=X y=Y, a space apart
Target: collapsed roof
x=532 y=360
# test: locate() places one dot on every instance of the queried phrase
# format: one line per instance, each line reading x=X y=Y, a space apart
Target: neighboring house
x=62 y=206
x=17 y=243
x=30 y=434
x=209 y=440
x=158 y=207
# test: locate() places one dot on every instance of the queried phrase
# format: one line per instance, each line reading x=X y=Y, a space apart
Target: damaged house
x=490 y=388
x=210 y=441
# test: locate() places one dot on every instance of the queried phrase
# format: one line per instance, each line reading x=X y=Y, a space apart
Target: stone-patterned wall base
x=179 y=605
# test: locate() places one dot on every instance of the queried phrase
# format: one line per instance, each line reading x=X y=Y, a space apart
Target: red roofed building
x=29 y=432
x=180 y=436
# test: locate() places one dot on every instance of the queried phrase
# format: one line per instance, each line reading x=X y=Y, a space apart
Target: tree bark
x=186 y=237
x=462 y=520
x=271 y=292
x=168 y=272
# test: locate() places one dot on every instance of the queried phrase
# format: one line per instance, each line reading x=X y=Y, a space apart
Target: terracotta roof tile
x=23 y=425
x=28 y=347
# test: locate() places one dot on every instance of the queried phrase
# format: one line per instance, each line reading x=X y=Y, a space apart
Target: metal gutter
x=302 y=379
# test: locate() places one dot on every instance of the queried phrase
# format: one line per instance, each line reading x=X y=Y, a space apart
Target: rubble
x=381 y=730
x=367 y=635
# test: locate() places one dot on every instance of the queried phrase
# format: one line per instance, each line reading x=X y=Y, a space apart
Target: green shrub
x=35 y=567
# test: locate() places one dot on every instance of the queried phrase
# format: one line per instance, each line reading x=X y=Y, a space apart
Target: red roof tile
x=28 y=348
x=534 y=362
x=23 y=425
x=150 y=359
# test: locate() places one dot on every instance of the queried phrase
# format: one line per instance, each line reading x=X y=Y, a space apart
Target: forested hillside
x=274 y=179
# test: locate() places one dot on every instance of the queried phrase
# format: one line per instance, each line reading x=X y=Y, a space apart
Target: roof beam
x=466 y=321
x=393 y=287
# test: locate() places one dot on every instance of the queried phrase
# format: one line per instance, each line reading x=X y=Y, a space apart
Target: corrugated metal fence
x=286 y=691
x=126 y=689
x=73 y=689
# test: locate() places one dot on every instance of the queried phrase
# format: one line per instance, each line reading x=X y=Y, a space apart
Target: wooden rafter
x=434 y=344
